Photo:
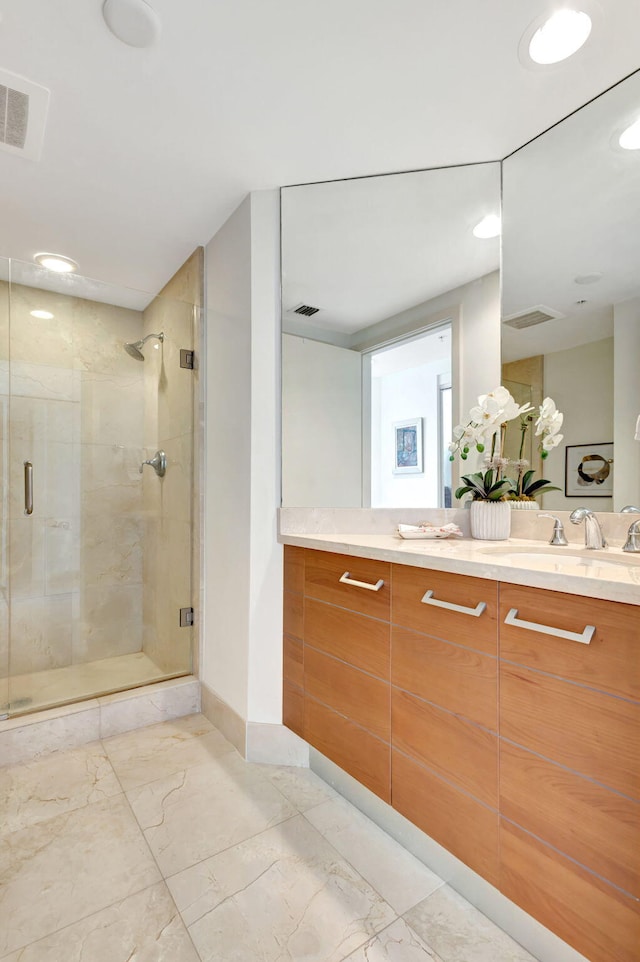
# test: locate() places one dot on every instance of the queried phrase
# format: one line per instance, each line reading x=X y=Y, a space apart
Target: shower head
x=133 y=349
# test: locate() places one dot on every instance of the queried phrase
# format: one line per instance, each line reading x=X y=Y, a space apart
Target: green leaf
x=543 y=490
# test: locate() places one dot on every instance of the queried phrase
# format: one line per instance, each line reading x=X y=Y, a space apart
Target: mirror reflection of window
x=405 y=388
x=445 y=410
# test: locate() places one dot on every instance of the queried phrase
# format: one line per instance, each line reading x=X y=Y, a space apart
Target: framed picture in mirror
x=589 y=471
x=408 y=447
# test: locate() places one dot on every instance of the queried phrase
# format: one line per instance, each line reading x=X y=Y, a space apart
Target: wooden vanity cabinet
x=293 y=640
x=347 y=701
x=570 y=768
x=515 y=749
x=444 y=771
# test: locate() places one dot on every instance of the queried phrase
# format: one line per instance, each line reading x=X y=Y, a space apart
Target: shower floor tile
x=164 y=845
x=45 y=689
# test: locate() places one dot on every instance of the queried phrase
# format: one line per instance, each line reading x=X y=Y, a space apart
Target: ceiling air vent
x=23 y=113
x=531 y=317
x=306 y=310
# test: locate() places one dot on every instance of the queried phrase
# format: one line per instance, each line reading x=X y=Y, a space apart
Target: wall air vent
x=306 y=310
x=23 y=114
x=531 y=317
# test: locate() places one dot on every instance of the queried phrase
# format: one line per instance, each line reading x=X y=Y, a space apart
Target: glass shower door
x=98 y=544
x=4 y=474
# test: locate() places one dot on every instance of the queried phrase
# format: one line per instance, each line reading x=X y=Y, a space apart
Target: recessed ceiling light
x=551 y=38
x=560 y=36
x=630 y=138
x=132 y=21
x=56 y=262
x=43 y=315
x=489 y=226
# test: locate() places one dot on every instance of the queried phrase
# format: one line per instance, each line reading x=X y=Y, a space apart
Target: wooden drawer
x=460 y=752
x=596 y=827
x=356 y=639
x=409 y=611
x=463 y=826
x=610 y=662
x=590 y=915
x=293 y=614
x=293 y=661
x=592 y=733
x=293 y=708
x=456 y=678
x=355 y=750
x=360 y=697
x=322 y=581
x=293 y=569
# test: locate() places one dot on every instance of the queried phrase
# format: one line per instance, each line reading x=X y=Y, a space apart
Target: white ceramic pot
x=524 y=505
x=490 y=520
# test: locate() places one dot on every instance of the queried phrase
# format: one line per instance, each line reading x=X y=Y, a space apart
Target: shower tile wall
x=170 y=582
x=77 y=414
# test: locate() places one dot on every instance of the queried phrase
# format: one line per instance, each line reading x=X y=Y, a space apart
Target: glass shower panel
x=4 y=469
x=100 y=557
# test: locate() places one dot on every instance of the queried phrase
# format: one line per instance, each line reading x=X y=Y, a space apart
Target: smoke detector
x=531 y=317
x=23 y=115
x=133 y=22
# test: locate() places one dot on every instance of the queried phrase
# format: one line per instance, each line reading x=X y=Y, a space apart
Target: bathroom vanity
x=491 y=695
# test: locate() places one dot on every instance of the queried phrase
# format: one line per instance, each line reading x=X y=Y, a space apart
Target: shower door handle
x=28 y=487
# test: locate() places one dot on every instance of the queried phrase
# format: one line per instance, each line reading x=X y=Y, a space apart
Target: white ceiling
x=146 y=152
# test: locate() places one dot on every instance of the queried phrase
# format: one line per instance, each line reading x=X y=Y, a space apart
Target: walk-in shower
x=135 y=349
x=95 y=556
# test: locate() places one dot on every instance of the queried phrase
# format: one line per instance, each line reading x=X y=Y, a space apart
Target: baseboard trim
x=225 y=719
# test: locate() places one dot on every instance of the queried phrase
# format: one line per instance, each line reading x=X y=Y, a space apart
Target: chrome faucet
x=633 y=534
x=558 y=536
x=593 y=536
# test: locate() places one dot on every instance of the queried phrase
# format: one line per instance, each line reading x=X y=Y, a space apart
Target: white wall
x=580 y=381
x=242 y=631
x=321 y=424
x=400 y=397
x=626 y=403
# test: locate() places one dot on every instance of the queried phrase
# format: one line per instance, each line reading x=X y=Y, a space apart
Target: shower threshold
x=60 y=686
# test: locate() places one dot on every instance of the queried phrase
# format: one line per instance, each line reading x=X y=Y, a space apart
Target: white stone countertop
x=610 y=574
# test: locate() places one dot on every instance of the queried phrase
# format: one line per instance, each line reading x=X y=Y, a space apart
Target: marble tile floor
x=163 y=845
x=54 y=686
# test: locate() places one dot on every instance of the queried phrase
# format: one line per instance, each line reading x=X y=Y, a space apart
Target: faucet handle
x=558 y=536
x=632 y=543
x=630 y=509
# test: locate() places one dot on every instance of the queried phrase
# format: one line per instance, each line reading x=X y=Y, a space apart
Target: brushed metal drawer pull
x=346 y=580
x=450 y=606
x=584 y=637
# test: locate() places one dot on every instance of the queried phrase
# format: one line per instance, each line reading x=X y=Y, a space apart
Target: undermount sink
x=572 y=558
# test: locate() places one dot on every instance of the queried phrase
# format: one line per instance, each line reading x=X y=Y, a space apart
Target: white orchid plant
x=487 y=425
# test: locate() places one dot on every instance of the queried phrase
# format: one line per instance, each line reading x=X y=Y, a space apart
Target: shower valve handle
x=158 y=462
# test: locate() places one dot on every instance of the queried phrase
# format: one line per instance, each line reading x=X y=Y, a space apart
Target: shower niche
x=96 y=554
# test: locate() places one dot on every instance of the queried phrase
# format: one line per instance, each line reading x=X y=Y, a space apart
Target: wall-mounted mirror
x=390 y=327
x=571 y=295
